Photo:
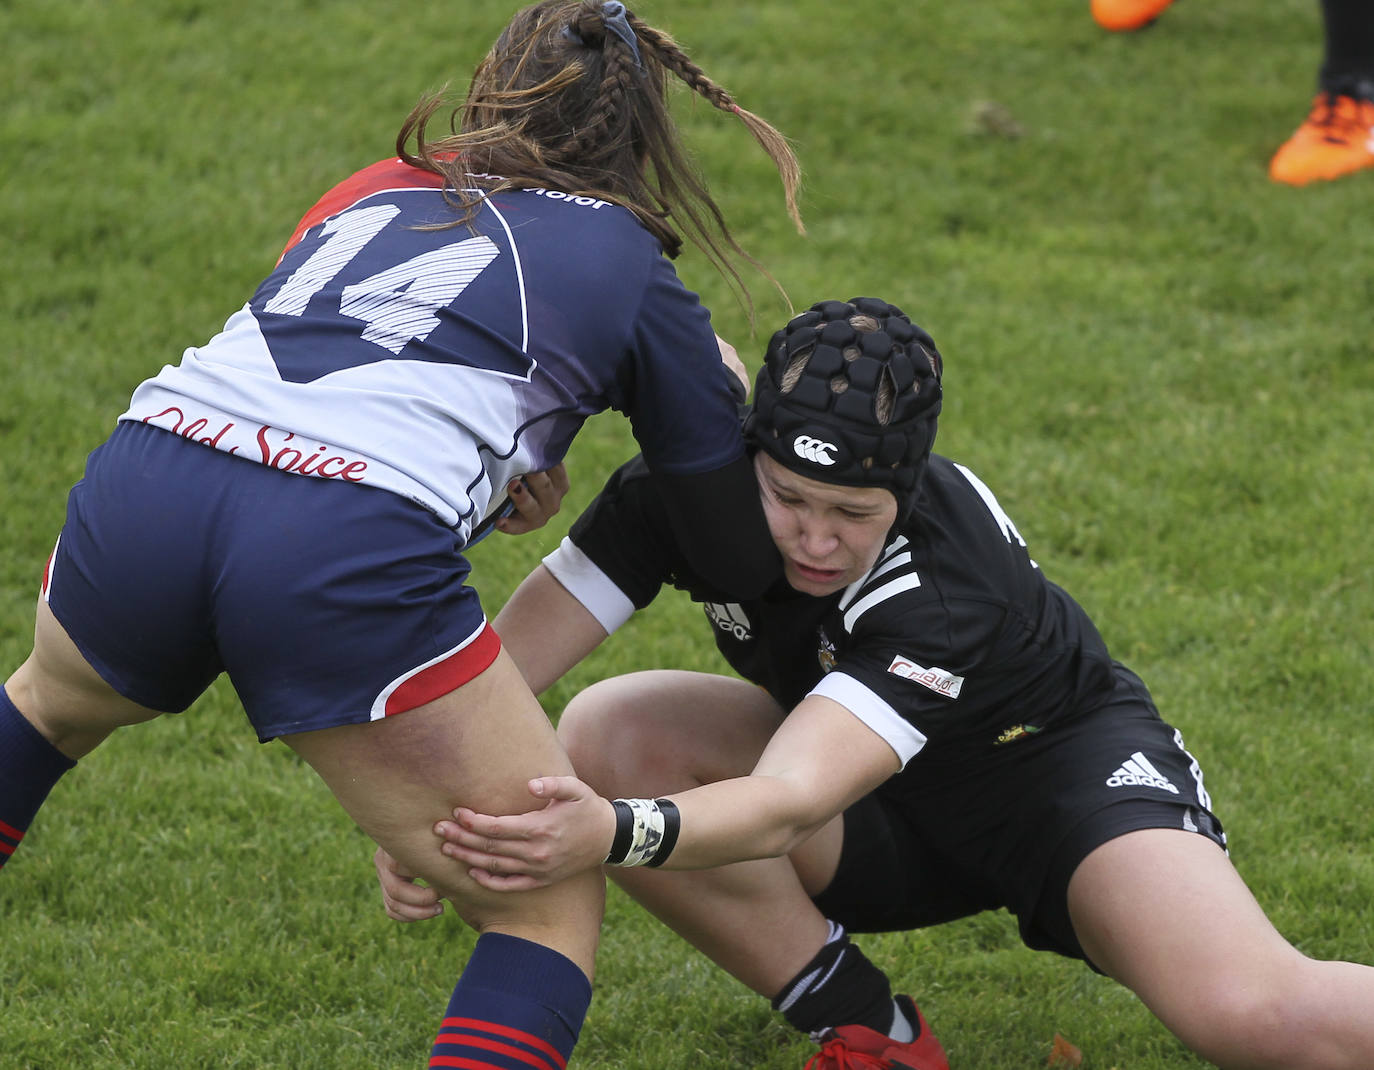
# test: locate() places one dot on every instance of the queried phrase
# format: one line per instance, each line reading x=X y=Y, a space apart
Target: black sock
x=838 y=987
x=1348 y=63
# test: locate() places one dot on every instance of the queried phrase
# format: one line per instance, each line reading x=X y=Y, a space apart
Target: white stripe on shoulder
x=887 y=560
x=865 y=704
x=895 y=561
x=583 y=579
x=999 y=514
x=890 y=589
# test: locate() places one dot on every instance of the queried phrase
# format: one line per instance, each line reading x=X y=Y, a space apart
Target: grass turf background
x=1158 y=359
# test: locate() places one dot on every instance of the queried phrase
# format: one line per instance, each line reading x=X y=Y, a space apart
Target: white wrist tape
x=645 y=832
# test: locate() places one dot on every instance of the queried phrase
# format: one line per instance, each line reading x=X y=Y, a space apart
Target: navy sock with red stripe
x=29 y=767
x=518 y=1006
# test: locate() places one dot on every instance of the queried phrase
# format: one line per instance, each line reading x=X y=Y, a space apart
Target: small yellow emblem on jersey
x=1015 y=732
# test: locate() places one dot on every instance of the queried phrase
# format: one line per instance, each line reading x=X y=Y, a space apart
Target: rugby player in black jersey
x=937 y=730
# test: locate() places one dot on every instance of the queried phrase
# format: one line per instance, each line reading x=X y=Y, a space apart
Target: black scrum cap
x=849 y=393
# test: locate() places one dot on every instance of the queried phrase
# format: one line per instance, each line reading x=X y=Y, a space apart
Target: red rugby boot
x=856 y=1047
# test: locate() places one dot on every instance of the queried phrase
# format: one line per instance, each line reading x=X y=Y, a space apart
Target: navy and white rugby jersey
x=954 y=641
x=438 y=362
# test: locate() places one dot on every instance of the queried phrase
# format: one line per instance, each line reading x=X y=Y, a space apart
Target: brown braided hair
x=562 y=102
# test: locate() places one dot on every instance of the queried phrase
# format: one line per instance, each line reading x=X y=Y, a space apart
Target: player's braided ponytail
x=770 y=140
x=573 y=97
x=610 y=118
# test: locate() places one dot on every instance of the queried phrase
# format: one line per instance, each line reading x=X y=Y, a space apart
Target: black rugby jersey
x=955 y=640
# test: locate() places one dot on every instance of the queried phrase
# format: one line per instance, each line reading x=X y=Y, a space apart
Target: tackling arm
x=821 y=760
x=546 y=630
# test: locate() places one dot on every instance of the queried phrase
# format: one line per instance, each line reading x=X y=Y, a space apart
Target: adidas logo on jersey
x=816 y=450
x=1136 y=771
x=729 y=617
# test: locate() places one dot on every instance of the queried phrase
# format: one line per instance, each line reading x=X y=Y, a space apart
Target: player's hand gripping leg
x=476 y=746
x=527 y=984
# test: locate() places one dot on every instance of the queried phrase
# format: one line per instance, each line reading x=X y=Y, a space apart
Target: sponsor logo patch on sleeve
x=941 y=681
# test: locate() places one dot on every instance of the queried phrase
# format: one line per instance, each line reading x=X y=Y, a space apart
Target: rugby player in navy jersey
x=290 y=504
x=928 y=727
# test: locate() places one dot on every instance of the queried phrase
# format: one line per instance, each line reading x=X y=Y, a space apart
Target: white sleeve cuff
x=582 y=579
x=899 y=733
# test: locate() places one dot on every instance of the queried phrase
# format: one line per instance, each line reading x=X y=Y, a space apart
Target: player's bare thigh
x=59 y=692
x=1165 y=913
x=476 y=746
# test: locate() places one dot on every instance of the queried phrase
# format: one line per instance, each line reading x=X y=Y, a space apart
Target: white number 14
x=397 y=305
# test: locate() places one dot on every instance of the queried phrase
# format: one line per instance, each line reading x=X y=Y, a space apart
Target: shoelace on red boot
x=835 y=1054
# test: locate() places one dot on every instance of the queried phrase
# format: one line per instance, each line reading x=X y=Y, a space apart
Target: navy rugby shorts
x=326 y=603
x=1009 y=831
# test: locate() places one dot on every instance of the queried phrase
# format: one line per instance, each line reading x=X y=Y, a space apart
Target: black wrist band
x=672 y=825
x=624 y=831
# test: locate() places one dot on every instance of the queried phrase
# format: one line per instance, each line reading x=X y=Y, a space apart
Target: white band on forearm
x=645 y=832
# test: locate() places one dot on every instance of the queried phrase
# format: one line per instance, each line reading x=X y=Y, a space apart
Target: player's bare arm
x=821 y=759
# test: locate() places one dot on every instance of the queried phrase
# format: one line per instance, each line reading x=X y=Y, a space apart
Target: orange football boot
x=1120 y=15
x=1336 y=139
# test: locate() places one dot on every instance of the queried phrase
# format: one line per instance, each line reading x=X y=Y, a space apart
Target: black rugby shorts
x=1008 y=832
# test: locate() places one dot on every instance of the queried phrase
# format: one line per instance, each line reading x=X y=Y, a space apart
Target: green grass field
x=1158 y=359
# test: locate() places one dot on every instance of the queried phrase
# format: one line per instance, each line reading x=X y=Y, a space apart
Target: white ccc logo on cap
x=814 y=450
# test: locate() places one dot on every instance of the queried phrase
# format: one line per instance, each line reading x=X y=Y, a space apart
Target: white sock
x=902 y=1031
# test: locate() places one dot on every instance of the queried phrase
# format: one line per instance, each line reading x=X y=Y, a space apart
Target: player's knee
x=579 y=727
x=72 y=717
x=618 y=746
x=595 y=716
x=1247 y=1024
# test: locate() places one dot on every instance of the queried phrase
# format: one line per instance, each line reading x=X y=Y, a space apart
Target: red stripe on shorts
x=47 y=576
x=448 y=674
